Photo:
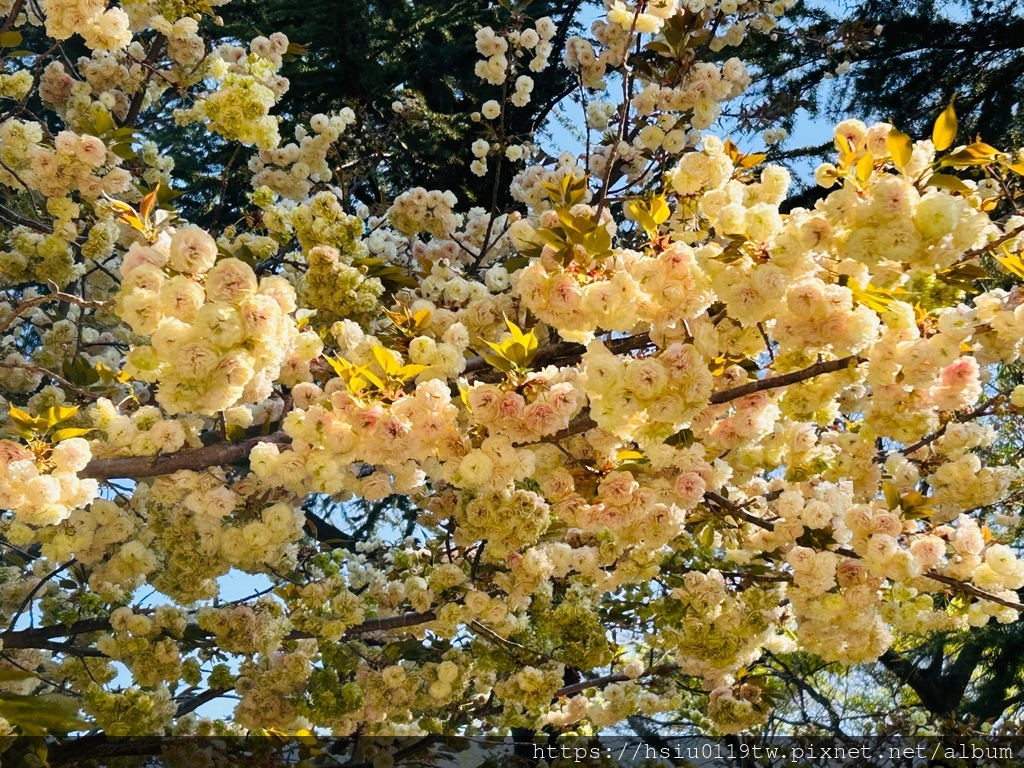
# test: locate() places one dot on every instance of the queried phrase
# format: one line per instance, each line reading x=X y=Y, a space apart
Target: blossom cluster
x=293 y=169
x=45 y=490
x=248 y=86
x=218 y=337
x=644 y=448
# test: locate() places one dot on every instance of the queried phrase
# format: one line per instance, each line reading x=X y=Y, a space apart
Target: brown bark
x=216 y=455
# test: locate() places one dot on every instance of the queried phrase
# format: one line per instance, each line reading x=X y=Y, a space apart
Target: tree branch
x=40 y=637
x=584 y=423
x=66 y=298
x=784 y=380
x=218 y=454
x=601 y=682
x=140 y=95
x=734 y=510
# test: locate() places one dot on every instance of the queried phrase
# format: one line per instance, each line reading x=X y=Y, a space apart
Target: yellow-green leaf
x=370 y=376
x=26 y=420
x=55 y=414
x=411 y=371
x=498 y=362
x=386 y=360
x=1011 y=263
x=945 y=181
x=110 y=375
x=597 y=243
x=749 y=161
x=900 y=147
x=865 y=166
x=148 y=202
x=421 y=319
x=339 y=365
x=945 y=128
x=846 y=151
x=978 y=153
x=68 y=433
x=501 y=347
x=123 y=150
x=39 y=715
x=659 y=209
x=640 y=211
x=11 y=675
x=103 y=122
x=873 y=298
x=892 y=495
x=10 y=39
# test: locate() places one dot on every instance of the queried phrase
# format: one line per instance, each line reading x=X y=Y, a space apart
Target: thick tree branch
x=401 y=621
x=194 y=702
x=218 y=454
x=40 y=637
x=156 y=48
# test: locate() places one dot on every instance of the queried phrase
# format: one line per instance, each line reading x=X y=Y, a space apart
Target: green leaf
x=963 y=275
x=79 y=371
x=551 y=238
x=39 y=715
x=103 y=122
x=11 y=675
x=684 y=438
x=10 y=39
x=516 y=263
x=123 y=150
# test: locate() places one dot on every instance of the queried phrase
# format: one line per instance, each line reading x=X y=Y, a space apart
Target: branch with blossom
x=619 y=444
